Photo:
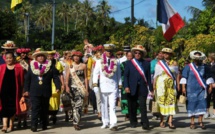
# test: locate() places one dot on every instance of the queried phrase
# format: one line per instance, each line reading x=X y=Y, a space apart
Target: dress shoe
x=33 y=128
x=133 y=126
x=44 y=127
x=145 y=127
x=113 y=127
x=104 y=126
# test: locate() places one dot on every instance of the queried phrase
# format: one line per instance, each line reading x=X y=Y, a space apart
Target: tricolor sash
x=140 y=70
x=166 y=69
x=197 y=75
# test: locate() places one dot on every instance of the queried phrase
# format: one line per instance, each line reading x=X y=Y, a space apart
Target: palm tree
x=103 y=10
x=87 y=11
x=64 y=12
x=76 y=13
x=44 y=16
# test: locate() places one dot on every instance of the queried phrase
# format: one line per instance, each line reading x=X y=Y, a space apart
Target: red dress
x=11 y=87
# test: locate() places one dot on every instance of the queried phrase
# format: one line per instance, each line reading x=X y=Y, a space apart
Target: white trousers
x=109 y=115
x=98 y=100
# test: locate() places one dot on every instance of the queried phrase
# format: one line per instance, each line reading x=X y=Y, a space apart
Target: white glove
x=96 y=89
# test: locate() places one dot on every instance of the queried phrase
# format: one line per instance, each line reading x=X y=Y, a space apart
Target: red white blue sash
x=197 y=75
x=140 y=70
x=166 y=69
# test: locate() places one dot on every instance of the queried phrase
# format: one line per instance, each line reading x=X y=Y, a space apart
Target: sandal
x=77 y=128
x=4 y=129
x=162 y=125
x=202 y=125
x=192 y=126
x=10 y=129
x=171 y=126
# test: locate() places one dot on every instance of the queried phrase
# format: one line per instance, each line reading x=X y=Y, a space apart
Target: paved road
x=91 y=125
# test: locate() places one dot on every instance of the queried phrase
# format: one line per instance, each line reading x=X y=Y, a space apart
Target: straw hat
x=167 y=50
x=39 y=52
x=196 y=57
x=109 y=46
x=51 y=52
x=9 y=45
x=139 y=48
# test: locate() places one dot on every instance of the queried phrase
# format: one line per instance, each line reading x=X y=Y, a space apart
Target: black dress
x=8 y=94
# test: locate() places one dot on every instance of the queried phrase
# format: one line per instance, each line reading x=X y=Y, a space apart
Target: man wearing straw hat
x=137 y=83
x=110 y=81
x=38 y=84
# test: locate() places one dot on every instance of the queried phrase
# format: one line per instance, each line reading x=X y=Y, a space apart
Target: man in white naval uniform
x=110 y=81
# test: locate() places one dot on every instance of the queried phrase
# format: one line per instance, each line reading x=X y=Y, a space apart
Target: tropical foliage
x=76 y=21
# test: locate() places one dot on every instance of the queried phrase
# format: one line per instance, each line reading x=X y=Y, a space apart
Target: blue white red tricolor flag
x=170 y=19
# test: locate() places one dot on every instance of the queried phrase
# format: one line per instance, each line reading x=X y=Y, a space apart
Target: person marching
x=24 y=61
x=97 y=56
x=38 y=84
x=77 y=73
x=196 y=79
x=110 y=81
x=11 y=85
x=165 y=86
x=55 y=98
x=137 y=83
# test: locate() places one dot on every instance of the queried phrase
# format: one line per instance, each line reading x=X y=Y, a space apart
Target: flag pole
x=53 y=23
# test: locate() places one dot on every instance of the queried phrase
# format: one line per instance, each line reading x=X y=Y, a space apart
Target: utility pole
x=27 y=17
x=132 y=12
x=53 y=23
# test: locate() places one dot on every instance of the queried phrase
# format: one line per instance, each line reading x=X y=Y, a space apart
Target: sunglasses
x=138 y=53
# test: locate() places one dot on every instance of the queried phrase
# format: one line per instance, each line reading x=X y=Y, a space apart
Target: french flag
x=170 y=19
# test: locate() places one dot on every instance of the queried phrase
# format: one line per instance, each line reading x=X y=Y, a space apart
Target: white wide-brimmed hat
x=9 y=45
x=167 y=50
x=39 y=52
x=196 y=57
x=139 y=48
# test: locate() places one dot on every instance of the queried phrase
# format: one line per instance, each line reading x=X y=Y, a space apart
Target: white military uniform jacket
x=107 y=85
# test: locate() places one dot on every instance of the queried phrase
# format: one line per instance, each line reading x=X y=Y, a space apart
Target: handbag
x=154 y=107
x=182 y=99
x=23 y=105
x=66 y=101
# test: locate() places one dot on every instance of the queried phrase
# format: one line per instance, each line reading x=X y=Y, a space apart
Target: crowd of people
x=50 y=83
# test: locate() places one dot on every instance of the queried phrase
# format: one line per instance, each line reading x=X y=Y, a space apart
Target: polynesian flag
x=15 y=4
x=171 y=20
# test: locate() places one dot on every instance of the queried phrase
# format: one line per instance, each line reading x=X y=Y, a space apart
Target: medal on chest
x=40 y=80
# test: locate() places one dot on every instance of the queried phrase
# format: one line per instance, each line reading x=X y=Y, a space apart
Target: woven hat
x=196 y=57
x=51 y=52
x=23 y=50
x=109 y=46
x=98 y=48
x=167 y=50
x=139 y=48
x=39 y=52
x=126 y=48
x=77 y=53
x=9 y=45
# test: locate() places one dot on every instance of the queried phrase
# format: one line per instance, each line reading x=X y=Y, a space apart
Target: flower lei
x=113 y=66
x=35 y=67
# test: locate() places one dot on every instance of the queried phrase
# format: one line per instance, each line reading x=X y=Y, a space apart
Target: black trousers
x=132 y=108
x=92 y=98
x=40 y=109
x=211 y=95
